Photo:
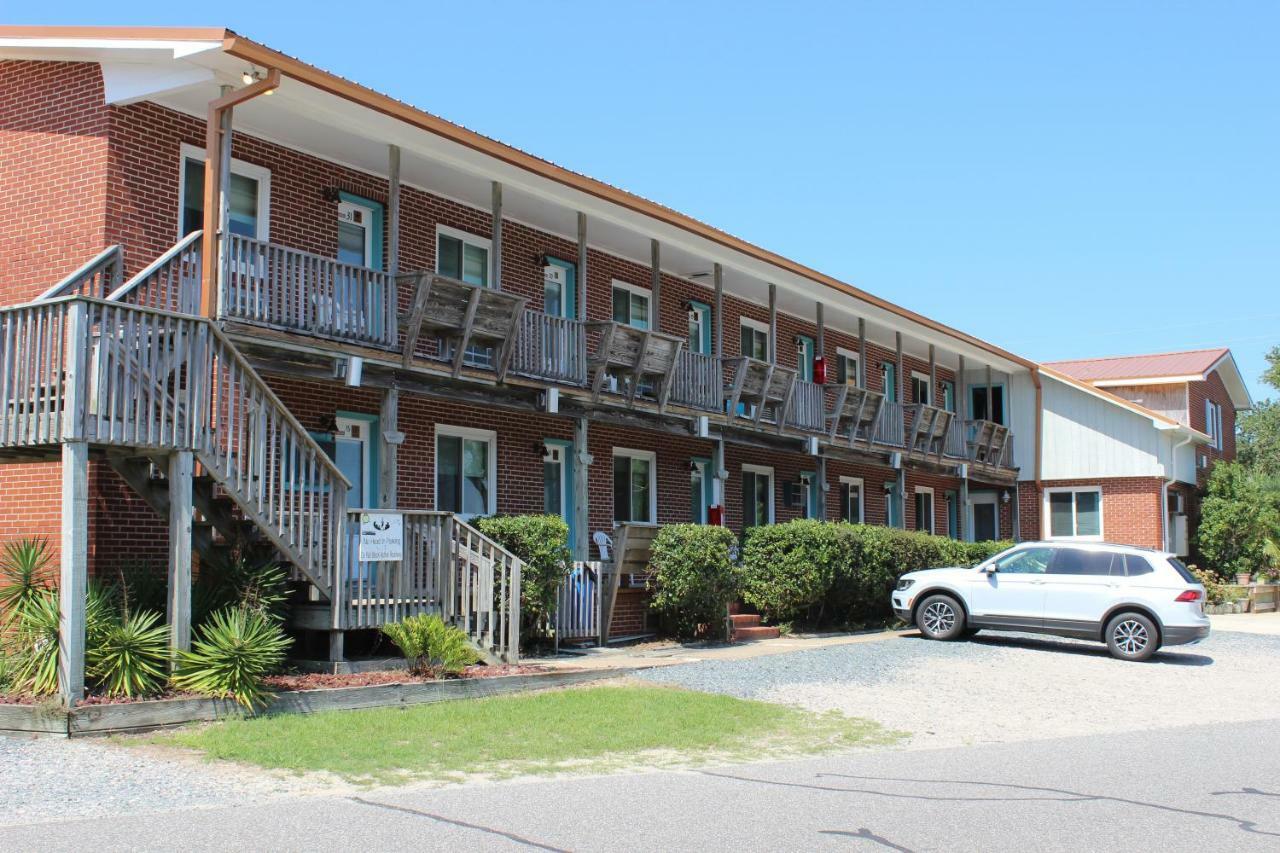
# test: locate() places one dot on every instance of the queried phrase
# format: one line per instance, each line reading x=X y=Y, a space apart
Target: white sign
x=381 y=537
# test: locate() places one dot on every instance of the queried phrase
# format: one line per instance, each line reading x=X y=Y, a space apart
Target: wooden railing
x=33 y=369
x=98 y=277
x=577 y=615
x=698 y=381
x=296 y=291
x=551 y=348
x=448 y=568
x=955 y=443
x=808 y=409
x=171 y=282
x=891 y=426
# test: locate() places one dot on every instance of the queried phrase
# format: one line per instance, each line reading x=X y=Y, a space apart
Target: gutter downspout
x=215 y=136
x=1164 y=489
x=1039 y=450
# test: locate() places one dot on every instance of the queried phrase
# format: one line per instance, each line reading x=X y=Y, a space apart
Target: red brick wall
x=1132 y=509
x=53 y=173
x=1211 y=389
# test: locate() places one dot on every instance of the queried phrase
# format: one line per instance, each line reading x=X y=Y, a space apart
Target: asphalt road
x=1194 y=788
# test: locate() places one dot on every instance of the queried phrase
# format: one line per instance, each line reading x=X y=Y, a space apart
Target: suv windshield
x=1183 y=570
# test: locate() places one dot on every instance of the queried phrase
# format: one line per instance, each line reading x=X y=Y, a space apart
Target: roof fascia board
x=1145 y=380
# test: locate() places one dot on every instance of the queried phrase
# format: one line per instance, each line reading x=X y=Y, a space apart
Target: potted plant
x=1242 y=578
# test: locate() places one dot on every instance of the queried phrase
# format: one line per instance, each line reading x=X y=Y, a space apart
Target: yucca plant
x=431 y=647
x=130 y=655
x=23 y=565
x=241 y=582
x=233 y=651
x=34 y=645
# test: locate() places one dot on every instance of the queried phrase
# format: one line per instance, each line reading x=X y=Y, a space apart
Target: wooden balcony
x=464 y=325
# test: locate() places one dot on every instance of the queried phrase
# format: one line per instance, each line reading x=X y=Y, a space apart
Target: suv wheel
x=940 y=617
x=1132 y=636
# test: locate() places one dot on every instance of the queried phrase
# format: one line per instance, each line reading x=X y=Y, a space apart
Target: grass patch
x=588 y=729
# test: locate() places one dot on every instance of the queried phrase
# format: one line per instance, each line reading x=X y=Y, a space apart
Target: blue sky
x=1067 y=180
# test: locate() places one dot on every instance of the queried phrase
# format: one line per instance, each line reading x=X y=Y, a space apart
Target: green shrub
x=243 y=583
x=24 y=567
x=788 y=568
x=130 y=655
x=34 y=645
x=542 y=544
x=1215 y=591
x=694 y=576
x=431 y=647
x=233 y=651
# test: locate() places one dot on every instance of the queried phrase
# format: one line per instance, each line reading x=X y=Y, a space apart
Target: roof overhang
x=339 y=120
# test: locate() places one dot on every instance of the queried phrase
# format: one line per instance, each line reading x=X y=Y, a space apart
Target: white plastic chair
x=604 y=543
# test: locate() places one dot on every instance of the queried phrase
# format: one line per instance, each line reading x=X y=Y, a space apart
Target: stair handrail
x=170 y=257
x=108 y=262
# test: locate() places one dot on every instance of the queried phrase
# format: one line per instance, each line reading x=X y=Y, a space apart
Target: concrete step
x=759 y=632
x=744 y=620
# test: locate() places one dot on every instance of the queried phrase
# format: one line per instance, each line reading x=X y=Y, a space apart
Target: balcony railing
x=955 y=444
x=296 y=291
x=551 y=348
x=808 y=407
x=891 y=426
x=698 y=381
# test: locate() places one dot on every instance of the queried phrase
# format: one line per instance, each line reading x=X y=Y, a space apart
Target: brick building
x=352 y=303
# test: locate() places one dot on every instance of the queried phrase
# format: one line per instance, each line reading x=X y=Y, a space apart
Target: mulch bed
x=317 y=680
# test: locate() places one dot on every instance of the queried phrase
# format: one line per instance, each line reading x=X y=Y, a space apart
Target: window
x=757 y=495
x=851 y=499
x=948 y=395
x=630 y=305
x=1029 y=561
x=846 y=367
x=635 y=496
x=1077 y=561
x=978 y=403
x=1074 y=513
x=924 y=509
x=892 y=505
x=889 y=381
x=699 y=328
x=1136 y=565
x=920 y=388
x=755 y=339
x=465 y=471
x=1179 y=567
x=462 y=256
x=249 y=200
x=1213 y=423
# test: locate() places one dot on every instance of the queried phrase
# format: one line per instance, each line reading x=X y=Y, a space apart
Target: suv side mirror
x=989 y=569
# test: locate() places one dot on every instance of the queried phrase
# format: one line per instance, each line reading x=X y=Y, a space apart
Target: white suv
x=1133 y=599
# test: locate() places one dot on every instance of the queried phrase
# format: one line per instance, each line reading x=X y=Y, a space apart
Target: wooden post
x=897 y=392
x=933 y=377
x=497 y=235
x=392 y=309
x=181 y=467
x=966 y=533
x=74 y=579
x=862 y=353
x=821 y=343
x=655 y=285
x=962 y=392
x=718 y=483
x=773 y=324
x=901 y=488
x=717 y=333
x=582 y=267
x=822 y=487
x=389 y=441
x=991 y=415
x=581 y=489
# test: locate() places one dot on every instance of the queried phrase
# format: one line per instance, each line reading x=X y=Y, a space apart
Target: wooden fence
x=577 y=614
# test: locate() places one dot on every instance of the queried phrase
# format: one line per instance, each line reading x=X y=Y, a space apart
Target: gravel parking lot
x=1008 y=687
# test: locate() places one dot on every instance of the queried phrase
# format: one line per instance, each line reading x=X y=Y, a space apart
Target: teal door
x=559 y=288
x=557 y=482
x=805 y=354
x=701 y=489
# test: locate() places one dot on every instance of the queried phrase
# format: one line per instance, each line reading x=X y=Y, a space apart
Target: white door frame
x=976 y=498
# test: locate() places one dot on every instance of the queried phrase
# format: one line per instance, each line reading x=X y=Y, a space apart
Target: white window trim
x=752 y=323
x=466 y=237
x=261 y=174
x=705 y=329
x=652 y=458
x=1213 y=423
x=923 y=377
x=767 y=471
x=486 y=435
x=852 y=356
x=638 y=290
x=933 y=509
x=1048 y=520
x=862 y=498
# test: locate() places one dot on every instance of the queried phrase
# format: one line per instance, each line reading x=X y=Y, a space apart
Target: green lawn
x=596 y=728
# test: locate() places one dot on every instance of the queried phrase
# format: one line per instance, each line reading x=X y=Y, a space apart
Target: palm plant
x=431 y=647
x=35 y=645
x=234 y=650
x=23 y=564
x=130 y=655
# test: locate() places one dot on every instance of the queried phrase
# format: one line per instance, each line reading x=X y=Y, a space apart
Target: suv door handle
x=1038 y=581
